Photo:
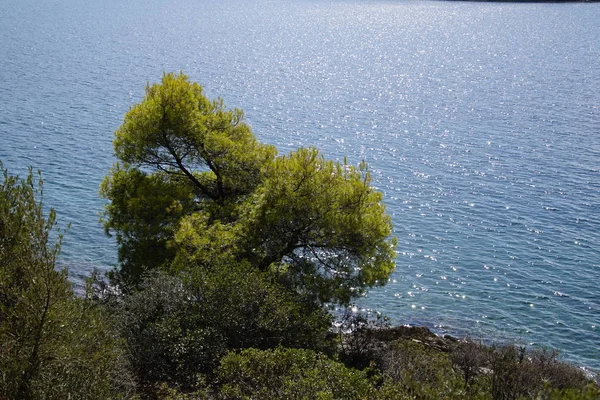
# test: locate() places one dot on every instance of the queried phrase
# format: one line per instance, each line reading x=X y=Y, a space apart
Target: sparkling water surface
x=480 y=123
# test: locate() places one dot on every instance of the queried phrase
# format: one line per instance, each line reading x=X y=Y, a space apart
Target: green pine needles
x=194 y=189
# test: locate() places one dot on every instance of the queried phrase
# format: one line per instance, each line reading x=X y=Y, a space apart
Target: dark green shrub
x=518 y=373
x=471 y=358
x=167 y=340
x=178 y=327
x=421 y=371
x=251 y=309
x=359 y=348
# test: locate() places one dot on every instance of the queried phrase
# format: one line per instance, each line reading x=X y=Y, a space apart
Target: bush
x=589 y=392
x=518 y=373
x=358 y=347
x=289 y=374
x=421 y=371
x=165 y=338
x=54 y=345
x=178 y=327
x=511 y=372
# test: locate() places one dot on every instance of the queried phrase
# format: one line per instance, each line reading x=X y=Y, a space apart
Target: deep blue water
x=480 y=123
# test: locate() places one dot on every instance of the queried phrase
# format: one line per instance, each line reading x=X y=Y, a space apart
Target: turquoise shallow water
x=480 y=122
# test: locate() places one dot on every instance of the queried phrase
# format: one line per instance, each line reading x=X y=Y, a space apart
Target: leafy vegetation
x=54 y=344
x=288 y=374
x=230 y=257
x=177 y=327
x=193 y=181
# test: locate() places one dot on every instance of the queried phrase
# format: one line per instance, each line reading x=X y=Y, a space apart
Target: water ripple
x=479 y=121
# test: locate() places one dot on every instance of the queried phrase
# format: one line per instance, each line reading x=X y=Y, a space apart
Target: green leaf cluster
x=177 y=130
x=194 y=189
x=323 y=224
x=289 y=374
x=53 y=344
x=229 y=255
x=145 y=211
x=179 y=326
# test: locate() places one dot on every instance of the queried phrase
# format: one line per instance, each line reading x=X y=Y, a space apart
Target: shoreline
x=382 y=337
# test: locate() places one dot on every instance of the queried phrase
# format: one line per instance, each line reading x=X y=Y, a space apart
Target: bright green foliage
x=206 y=243
x=53 y=345
x=314 y=224
x=144 y=212
x=289 y=374
x=324 y=225
x=176 y=129
x=181 y=153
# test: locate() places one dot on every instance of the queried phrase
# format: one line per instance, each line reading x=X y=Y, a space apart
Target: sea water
x=480 y=123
